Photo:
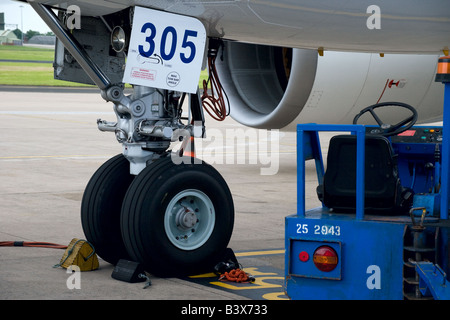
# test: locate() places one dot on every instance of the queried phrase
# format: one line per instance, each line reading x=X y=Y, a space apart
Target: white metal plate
x=166 y=51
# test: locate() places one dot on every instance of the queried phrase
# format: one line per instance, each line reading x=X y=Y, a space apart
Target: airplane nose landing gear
x=173 y=214
x=174 y=217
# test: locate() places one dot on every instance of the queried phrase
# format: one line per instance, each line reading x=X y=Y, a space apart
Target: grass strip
x=37 y=74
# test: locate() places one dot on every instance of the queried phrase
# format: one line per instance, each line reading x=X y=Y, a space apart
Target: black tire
x=144 y=213
x=101 y=208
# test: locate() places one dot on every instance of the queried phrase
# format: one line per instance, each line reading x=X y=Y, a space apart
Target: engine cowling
x=276 y=88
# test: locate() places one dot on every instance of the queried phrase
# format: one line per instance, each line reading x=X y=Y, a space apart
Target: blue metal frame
x=445 y=167
x=311 y=130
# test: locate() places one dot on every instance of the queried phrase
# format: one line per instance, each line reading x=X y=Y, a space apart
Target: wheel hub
x=186 y=218
x=189 y=219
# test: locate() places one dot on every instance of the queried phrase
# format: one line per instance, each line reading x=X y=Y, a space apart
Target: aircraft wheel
x=177 y=219
x=101 y=207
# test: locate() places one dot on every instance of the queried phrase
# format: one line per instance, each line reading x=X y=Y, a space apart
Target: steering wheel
x=386 y=129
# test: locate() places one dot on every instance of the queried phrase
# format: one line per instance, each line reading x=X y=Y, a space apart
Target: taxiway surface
x=50 y=147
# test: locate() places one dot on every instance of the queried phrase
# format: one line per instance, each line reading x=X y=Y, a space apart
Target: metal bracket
x=432 y=281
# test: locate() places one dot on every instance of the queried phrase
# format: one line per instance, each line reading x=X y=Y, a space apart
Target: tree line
x=30 y=34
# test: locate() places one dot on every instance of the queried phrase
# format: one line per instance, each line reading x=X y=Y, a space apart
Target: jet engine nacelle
x=276 y=88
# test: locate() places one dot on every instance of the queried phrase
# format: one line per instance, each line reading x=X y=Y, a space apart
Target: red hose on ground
x=31 y=244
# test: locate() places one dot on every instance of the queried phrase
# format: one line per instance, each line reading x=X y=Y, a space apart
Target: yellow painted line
x=204 y=275
x=275 y=296
x=258 y=284
x=258 y=253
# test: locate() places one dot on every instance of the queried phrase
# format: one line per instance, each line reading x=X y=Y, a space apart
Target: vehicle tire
x=101 y=208
x=177 y=220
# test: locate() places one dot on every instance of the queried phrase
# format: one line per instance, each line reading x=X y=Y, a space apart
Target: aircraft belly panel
x=399 y=26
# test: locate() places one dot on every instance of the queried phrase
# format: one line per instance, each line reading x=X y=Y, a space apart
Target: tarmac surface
x=50 y=147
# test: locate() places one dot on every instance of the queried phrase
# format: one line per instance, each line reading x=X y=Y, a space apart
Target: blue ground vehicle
x=383 y=231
